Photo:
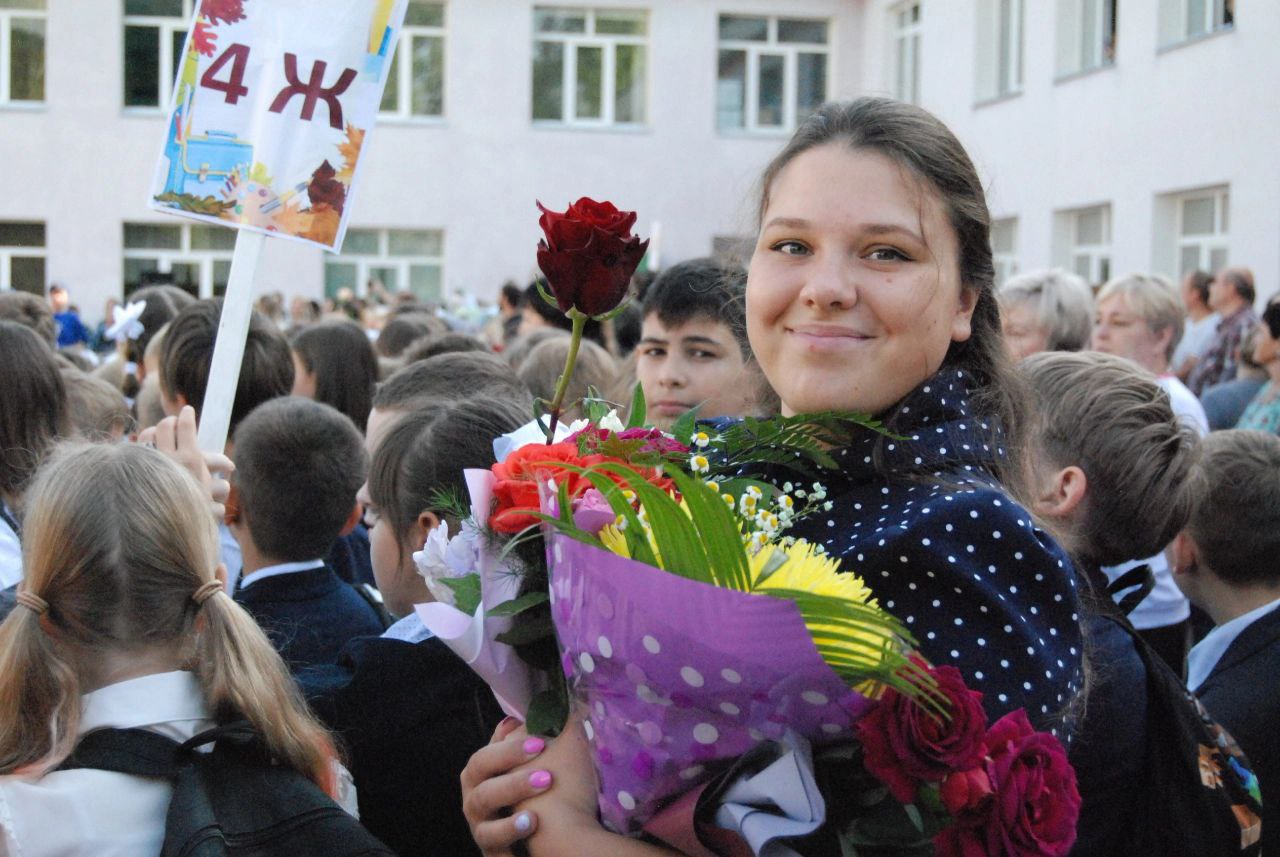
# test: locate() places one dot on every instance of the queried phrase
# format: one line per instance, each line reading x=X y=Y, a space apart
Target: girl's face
x=1265 y=346
x=854 y=294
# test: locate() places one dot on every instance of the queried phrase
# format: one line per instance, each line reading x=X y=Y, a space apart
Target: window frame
x=1075 y=57
x=790 y=52
x=1098 y=254
x=1207 y=243
x=1001 y=260
x=608 y=44
x=1000 y=76
x=27 y=251
x=7 y=17
x=404 y=71
x=1174 y=27
x=365 y=263
x=168 y=64
x=183 y=254
x=910 y=36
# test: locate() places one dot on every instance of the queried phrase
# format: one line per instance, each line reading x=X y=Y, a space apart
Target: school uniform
x=308 y=613
x=10 y=547
x=410 y=714
x=101 y=813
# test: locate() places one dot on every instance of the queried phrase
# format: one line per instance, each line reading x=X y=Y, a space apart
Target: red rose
x=589 y=255
x=905 y=745
x=1036 y=803
x=966 y=792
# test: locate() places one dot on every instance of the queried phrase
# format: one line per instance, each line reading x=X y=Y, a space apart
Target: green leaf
x=518 y=605
x=913 y=813
x=466 y=592
x=546 y=295
x=684 y=427
x=639 y=409
x=613 y=312
x=717 y=531
x=548 y=711
x=525 y=632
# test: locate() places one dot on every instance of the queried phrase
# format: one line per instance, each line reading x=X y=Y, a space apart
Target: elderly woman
x=1045 y=311
x=1140 y=317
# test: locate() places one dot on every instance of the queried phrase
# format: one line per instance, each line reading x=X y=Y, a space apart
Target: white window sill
x=595 y=128
x=1194 y=40
x=144 y=112
x=756 y=133
x=1068 y=77
x=416 y=121
x=24 y=106
x=997 y=99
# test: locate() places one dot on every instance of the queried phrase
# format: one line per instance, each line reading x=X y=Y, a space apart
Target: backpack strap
x=1139 y=576
x=126 y=751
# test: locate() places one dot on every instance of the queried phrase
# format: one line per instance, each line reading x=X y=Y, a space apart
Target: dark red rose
x=905 y=745
x=1036 y=803
x=966 y=793
x=588 y=255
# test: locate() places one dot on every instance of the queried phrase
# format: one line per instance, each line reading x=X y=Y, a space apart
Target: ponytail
x=242 y=676
x=39 y=697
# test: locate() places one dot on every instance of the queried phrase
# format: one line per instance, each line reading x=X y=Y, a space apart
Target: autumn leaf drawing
x=226 y=11
x=204 y=39
x=350 y=151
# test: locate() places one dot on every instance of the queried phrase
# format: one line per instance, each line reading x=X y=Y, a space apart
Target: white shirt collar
x=408 y=630
x=283 y=568
x=1204 y=655
x=144 y=701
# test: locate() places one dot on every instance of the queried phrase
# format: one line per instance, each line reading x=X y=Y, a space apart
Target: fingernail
x=534 y=746
x=540 y=779
x=524 y=822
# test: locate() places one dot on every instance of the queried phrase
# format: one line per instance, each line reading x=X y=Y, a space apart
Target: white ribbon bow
x=126 y=323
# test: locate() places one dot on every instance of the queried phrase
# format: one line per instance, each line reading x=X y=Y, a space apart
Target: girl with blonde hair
x=123 y=622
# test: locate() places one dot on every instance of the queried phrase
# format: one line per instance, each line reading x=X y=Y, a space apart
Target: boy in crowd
x=693 y=350
x=299 y=464
x=1227 y=561
x=1108 y=461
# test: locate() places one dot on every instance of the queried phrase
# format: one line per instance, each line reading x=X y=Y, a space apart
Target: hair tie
x=207 y=591
x=32 y=602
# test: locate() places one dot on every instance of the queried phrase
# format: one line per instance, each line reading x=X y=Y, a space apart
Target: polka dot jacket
x=949 y=553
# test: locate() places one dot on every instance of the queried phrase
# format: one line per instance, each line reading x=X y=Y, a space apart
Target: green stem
x=562 y=386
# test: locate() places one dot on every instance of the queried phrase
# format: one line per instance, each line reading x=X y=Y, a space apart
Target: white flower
x=612 y=422
x=442 y=557
x=125 y=322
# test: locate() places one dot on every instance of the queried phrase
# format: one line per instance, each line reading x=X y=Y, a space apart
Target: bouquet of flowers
x=647 y=583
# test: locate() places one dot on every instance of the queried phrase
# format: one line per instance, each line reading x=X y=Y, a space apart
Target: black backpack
x=233 y=801
x=1200 y=797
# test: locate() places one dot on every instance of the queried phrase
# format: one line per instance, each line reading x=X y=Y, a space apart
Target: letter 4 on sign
x=312 y=90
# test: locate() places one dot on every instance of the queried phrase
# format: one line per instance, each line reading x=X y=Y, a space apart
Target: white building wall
x=83 y=165
x=1201 y=114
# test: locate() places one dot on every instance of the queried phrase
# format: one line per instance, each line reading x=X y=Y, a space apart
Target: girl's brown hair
x=34 y=415
x=916 y=140
x=117 y=540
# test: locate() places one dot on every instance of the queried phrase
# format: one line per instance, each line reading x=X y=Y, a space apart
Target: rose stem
x=562 y=386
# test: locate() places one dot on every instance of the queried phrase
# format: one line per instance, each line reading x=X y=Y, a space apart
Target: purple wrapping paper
x=677 y=675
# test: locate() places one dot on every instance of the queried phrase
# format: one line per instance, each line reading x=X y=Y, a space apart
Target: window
x=155 y=32
x=402 y=260
x=906 y=52
x=999 y=70
x=1089 y=230
x=415 y=84
x=1086 y=35
x=772 y=72
x=1183 y=20
x=1202 y=231
x=193 y=257
x=1004 y=248
x=22 y=256
x=22 y=51
x=590 y=67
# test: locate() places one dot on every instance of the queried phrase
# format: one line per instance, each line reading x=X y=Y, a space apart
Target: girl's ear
x=357 y=512
x=424 y=524
x=962 y=322
x=1060 y=494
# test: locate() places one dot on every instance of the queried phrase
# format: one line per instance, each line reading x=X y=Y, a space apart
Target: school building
x=1114 y=135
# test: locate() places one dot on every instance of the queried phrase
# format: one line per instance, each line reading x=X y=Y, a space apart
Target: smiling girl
x=870 y=290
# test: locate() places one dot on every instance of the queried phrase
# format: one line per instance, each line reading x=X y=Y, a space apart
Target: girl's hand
x=176 y=438
x=494 y=781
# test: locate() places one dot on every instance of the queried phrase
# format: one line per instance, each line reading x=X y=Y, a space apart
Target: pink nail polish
x=534 y=746
x=540 y=779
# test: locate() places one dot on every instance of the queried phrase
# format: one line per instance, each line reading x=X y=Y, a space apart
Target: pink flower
x=592 y=512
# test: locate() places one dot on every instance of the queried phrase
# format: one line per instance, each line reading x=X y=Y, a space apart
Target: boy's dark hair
x=441 y=343
x=299 y=464
x=513 y=294
x=452 y=376
x=401 y=331
x=346 y=369
x=164 y=302
x=422 y=456
x=29 y=311
x=33 y=416
x=96 y=408
x=1110 y=418
x=1236 y=519
x=535 y=303
x=701 y=289
x=265 y=372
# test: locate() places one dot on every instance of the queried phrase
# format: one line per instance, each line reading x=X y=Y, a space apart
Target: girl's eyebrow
x=875 y=229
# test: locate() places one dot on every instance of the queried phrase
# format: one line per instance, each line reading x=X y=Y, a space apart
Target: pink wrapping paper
x=678 y=676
